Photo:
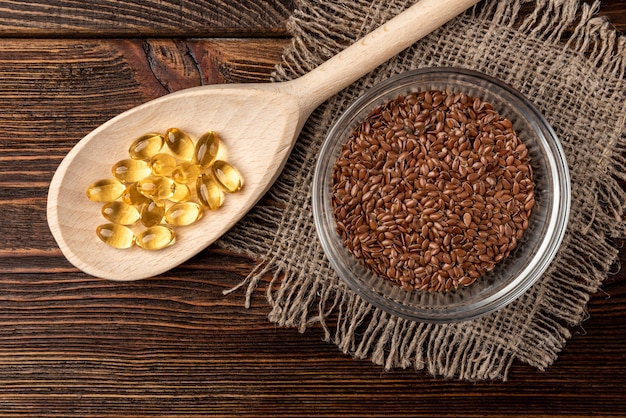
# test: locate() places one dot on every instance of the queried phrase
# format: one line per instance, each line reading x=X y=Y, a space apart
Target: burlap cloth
x=571 y=65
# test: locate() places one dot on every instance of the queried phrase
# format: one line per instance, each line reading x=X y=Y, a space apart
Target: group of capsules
x=168 y=181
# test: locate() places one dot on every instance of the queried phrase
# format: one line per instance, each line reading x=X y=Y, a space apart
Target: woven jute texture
x=571 y=65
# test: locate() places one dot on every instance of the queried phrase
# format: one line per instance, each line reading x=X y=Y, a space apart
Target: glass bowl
x=513 y=275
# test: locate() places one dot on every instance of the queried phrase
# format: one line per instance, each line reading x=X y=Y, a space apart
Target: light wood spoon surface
x=258 y=123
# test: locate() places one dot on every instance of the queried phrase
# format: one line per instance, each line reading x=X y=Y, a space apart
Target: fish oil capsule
x=120 y=213
x=144 y=147
x=132 y=196
x=210 y=194
x=206 y=149
x=162 y=164
x=227 y=176
x=152 y=213
x=182 y=193
x=179 y=143
x=186 y=172
x=157 y=187
x=155 y=238
x=117 y=236
x=183 y=214
x=130 y=171
x=106 y=190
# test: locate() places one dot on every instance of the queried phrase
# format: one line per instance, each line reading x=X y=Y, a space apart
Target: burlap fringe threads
x=304 y=290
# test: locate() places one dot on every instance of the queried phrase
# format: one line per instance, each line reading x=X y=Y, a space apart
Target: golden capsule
x=179 y=143
x=227 y=176
x=162 y=164
x=132 y=196
x=206 y=149
x=117 y=236
x=157 y=187
x=106 y=190
x=186 y=172
x=144 y=147
x=183 y=214
x=209 y=192
x=182 y=193
x=152 y=213
x=130 y=171
x=155 y=238
x=120 y=213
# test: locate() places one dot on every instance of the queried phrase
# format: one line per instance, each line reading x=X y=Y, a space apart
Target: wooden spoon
x=258 y=123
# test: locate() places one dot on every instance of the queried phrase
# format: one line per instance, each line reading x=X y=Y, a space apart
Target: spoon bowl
x=73 y=218
x=258 y=125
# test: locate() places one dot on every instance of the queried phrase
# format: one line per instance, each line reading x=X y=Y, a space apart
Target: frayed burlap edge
x=304 y=291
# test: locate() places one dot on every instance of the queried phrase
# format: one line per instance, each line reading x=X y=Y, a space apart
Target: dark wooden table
x=74 y=345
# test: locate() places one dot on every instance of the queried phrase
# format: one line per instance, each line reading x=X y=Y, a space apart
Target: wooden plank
x=168 y=18
x=173 y=346
x=61 y=89
x=162 y=18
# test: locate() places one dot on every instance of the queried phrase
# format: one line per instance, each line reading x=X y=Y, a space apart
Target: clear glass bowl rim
x=557 y=166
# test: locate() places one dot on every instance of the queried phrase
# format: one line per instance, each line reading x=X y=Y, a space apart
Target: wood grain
x=71 y=345
x=159 y=18
x=176 y=346
x=613 y=11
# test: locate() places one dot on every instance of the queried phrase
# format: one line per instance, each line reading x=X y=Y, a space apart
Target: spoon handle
x=374 y=49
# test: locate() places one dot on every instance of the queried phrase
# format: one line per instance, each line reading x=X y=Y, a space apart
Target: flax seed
x=432 y=190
